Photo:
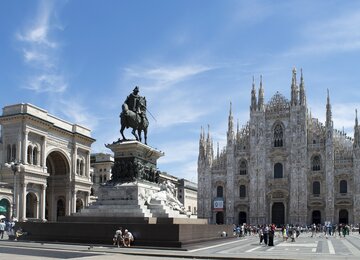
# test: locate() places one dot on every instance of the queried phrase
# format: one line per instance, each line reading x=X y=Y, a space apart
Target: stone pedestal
x=127 y=201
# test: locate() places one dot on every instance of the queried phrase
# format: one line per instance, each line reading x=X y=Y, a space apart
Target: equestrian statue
x=133 y=115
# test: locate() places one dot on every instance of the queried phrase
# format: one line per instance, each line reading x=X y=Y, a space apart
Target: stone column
x=87 y=166
x=43 y=152
x=68 y=201
x=24 y=148
x=73 y=200
x=22 y=207
x=74 y=160
x=42 y=202
x=87 y=197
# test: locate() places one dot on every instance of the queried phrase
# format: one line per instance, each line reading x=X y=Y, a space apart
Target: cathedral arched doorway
x=278 y=213
x=6 y=204
x=31 y=205
x=316 y=217
x=58 y=168
x=219 y=218
x=242 y=217
x=343 y=216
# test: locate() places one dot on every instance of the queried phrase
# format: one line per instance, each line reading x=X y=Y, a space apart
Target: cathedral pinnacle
x=356 y=131
x=302 y=90
x=253 y=96
x=294 y=89
x=261 y=96
x=230 y=124
x=328 y=111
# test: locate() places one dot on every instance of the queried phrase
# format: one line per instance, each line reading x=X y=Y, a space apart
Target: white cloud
x=339 y=34
x=47 y=83
x=76 y=112
x=161 y=77
x=40 y=52
x=37 y=33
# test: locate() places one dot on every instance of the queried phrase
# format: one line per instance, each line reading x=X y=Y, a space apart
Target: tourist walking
x=271 y=235
x=261 y=234
x=266 y=234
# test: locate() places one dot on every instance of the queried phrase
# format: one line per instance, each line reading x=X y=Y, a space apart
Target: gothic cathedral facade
x=283 y=166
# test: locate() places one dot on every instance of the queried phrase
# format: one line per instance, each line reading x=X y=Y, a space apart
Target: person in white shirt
x=128 y=238
x=118 y=237
x=2 y=228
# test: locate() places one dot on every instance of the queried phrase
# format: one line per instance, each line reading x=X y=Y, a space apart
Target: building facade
x=283 y=166
x=54 y=179
x=187 y=195
x=101 y=164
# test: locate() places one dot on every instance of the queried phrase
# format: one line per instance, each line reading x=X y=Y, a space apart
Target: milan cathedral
x=283 y=166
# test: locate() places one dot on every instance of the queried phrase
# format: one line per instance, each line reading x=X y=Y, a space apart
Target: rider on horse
x=134 y=114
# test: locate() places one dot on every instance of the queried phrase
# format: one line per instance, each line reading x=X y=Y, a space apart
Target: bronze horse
x=137 y=121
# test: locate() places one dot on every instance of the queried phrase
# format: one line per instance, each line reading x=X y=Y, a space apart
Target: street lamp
x=15 y=167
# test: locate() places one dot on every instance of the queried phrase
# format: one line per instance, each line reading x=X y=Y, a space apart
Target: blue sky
x=80 y=59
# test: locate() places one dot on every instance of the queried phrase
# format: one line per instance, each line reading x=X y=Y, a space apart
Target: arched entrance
x=58 y=168
x=220 y=218
x=79 y=205
x=316 y=217
x=6 y=204
x=60 y=209
x=278 y=213
x=242 y=217
x=31 y=205
x=343 y=216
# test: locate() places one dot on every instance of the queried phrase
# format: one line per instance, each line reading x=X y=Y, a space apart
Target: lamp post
x=15 y=167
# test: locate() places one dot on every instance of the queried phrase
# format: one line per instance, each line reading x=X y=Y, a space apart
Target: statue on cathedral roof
x=133 y=115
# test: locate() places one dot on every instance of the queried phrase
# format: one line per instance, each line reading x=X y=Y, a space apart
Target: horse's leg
x=145 y=135
x=139 y=134
x=122 y=132
x=134 y=133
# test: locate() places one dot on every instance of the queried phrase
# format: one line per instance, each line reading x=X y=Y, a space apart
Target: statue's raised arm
x=133 y=115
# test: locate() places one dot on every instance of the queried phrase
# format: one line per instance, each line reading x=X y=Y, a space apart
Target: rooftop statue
x=133 y=115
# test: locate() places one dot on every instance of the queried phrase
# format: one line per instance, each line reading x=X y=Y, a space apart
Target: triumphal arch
x=53 y=178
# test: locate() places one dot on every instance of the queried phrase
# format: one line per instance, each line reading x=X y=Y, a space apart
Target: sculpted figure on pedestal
x=133 y=115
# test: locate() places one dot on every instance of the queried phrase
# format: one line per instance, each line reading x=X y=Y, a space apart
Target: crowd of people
x=123 y=239
x=289 y=233
x=8 y=227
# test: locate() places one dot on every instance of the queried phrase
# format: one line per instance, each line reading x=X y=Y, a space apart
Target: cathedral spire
x=230 y=133
x=328 y=111
x=261 y=96
x=302 y=90
x=294 y=89
x=356 y=131
x=253 y=96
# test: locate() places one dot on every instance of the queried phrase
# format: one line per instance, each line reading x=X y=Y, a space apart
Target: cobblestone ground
x=305 y=247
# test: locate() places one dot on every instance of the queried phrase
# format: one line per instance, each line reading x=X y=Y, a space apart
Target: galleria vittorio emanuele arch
x=53 y=177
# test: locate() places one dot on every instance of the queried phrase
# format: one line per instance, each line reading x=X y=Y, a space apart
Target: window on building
x=343 y=186
x=243 y=168
x=29 y=155
x=242 y=191
x=189 y=208
x=316 y=162
x=9 y=153
x=35 y=156
x=81 y=167
x=13 y=153
x=278 y=171
x=77 y=166
x=316 y=188
x=219 y=191
x=195 y=212
x=278 y=136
